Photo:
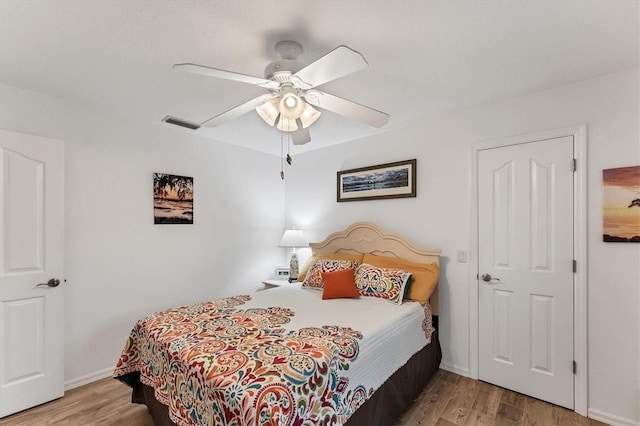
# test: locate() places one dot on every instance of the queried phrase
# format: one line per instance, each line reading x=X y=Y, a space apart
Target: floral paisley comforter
x=247 y=361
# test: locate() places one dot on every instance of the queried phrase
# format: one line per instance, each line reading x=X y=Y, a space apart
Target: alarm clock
x=281 y=273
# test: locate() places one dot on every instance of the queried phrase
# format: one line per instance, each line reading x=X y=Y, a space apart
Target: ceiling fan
x=292 y=91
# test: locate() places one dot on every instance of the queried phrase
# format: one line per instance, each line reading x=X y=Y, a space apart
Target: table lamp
x=293 y=238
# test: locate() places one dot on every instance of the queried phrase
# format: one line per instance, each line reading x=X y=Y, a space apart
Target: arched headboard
x=366 y=237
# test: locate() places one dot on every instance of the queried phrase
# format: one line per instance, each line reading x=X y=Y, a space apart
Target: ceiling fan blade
x=228 y=75
x=339 y=62
x=300 y=136
x=347 y=108
x=238 y=111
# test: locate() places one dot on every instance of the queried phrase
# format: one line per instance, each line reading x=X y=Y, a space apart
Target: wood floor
x=448 y=400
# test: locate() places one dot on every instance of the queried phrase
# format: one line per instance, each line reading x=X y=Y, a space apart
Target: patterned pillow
x=314 y=276
x=424 y=276
x=333 y=256
x=385 y=283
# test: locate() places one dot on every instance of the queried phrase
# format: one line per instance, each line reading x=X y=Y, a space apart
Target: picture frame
x=382 y=181
x=172 y=199
x=621 y=205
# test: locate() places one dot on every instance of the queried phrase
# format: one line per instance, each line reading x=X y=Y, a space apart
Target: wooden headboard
x=366 y=237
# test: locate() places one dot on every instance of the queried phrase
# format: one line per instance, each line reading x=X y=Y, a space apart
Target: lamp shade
x=293 y=238
x=291 y=106
x=287 y=124
x=309 y=115
x=269 y=111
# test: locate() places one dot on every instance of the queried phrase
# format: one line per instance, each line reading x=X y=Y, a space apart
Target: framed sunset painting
x=172 y=199
x=621 y=205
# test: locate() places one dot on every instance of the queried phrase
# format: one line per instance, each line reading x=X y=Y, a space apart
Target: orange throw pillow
x=339 y=284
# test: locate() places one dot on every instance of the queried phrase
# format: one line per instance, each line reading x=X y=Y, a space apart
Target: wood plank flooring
x=448 y=400
x=106 y=402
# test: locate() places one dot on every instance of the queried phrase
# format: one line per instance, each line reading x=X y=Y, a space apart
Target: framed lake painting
x=389 y=180
x=621 y=205
x=172 y=199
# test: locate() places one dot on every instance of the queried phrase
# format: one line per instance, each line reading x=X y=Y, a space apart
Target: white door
x=31 y=253
x=525 y=236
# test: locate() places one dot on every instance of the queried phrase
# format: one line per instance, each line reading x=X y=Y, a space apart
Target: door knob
x=53 y=282
x=487 y=278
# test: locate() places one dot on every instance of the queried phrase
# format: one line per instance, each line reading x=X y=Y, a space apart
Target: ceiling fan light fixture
x=269 y=111
x=293 y=111
x=309 y=115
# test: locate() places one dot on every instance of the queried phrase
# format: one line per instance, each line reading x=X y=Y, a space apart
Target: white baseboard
x=611 y=419
x=455 y=369
x=88 y=378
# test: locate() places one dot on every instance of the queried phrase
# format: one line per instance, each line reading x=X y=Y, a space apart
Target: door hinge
x=575 y=164
x=575 y=367
x=575 y=266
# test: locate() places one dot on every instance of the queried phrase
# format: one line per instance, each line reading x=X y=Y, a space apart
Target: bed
x=304 y=353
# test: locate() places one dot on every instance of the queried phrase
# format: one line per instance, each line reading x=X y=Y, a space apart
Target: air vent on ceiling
x=180 y=122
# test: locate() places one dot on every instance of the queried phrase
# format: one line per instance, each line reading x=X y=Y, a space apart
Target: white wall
x=119 y=265
x=439 y=217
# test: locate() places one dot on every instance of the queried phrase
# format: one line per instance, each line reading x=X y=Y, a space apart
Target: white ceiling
x=424 y=56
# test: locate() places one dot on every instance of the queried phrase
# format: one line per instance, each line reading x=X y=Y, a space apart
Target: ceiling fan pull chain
x=289 y=148
x=282 y=155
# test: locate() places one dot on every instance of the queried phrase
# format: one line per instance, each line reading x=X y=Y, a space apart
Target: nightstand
x=274 y=283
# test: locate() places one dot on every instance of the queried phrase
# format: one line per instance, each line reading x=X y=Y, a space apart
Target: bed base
x=384 y=407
